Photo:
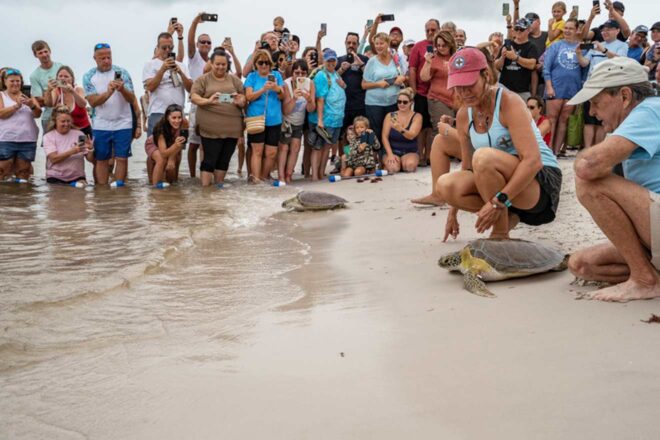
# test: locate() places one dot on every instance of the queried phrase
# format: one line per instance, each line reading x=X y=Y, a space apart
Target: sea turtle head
x=450 y=261
x=292 y=204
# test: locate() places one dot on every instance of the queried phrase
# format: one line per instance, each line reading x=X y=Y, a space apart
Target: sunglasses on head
x=102 y=46
x=12 y=72
x=263 y=63
x=402 y=101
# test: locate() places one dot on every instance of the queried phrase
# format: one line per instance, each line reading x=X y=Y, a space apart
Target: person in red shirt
x=416 y=62
x=535 y=106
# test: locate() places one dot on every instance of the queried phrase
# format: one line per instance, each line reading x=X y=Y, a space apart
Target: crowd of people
x=501 y=107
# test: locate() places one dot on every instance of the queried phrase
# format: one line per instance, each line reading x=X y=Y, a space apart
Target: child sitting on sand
x=361 y=158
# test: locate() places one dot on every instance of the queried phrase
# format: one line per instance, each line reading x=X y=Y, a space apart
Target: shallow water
x=97 y=284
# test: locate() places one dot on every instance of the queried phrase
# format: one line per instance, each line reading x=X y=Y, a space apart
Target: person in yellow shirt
x=556 y=23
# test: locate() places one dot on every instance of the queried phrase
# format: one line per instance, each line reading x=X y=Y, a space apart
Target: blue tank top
x=400 y=143
x=499 y=137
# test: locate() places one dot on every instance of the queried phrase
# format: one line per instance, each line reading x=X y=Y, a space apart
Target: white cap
x=409 y=42
x=615 y=72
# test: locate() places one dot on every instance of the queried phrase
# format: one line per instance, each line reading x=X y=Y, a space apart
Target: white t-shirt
x=165 y=94
x=115 y=113
x=196 y=66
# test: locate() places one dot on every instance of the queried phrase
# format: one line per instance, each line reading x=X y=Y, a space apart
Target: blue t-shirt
x=377 y=71
x=256 y=108
x=641 y=128
x=562 y=68
x=334 y=99
x=636 y=53
x=596 y=57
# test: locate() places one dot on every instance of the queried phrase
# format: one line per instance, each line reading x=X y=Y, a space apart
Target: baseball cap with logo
x=329 y=54
x=465 y=67
x=523 y=24
x=615 y=72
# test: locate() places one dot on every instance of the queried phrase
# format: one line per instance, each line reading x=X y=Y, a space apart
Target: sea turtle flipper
x=474 y=284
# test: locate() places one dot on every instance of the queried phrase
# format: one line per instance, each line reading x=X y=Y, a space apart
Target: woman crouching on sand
x=508 y=173
x=164 y=147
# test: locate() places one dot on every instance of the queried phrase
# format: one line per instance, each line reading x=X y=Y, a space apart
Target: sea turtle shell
x=314 y=201
x=516 y=256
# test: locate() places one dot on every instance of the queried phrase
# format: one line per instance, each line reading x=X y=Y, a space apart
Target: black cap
x=523 y=23
x=656 y=26
x=619 y=6
x=531 y=16
x=611 y=24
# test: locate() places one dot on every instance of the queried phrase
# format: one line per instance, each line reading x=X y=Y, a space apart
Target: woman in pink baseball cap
x=508 y=173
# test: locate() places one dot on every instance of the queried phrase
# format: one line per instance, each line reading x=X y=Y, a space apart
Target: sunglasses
x=263 y=63
x=531 y=107
x=12 y=72
x=402 y=102
x=205 y=42
x=102 y=46
x=519 y=29
x=169 y=47
x=281 y=60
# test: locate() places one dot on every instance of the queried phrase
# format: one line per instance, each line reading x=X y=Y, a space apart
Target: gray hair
x=448 y=26
x=640 y=91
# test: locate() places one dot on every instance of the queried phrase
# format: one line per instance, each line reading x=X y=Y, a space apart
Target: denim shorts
x=317 y=142
x=20 y=150
x=115 y=143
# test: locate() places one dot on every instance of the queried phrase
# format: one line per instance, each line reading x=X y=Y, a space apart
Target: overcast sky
x=73 y=27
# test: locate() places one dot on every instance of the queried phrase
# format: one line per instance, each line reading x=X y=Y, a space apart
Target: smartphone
x=370 y=22
x=302 y=82
x=505 y=9
x=350 y=59
x=117 y=76
x=586 y=46
x=390 y=81
x=209 y=17
x=271 y=78
x=185 y=133
x=387 y=17
x=596 y=3
x=226 y=98
x=173 y=20
x=285 y=38
x=26 y=90
x=324 y=27
x=576 y=10
x=171 y=55
x=429 y=48
x=61 y=83
x=367 y=138
x=81 y=140
x=265 y=45
x=314 y=56
x=507 y=44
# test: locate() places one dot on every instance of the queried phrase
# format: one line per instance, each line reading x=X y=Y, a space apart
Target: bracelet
x=180 y=38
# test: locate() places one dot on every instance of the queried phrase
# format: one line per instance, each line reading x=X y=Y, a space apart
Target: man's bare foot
x=628 y=291
x=431 y=200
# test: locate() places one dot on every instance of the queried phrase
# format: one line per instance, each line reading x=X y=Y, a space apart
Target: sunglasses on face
x=102 y=46
x=402 y=102
x=170 y=47
x=531 y=107
x=263 y=63
x=281 y=60
x=205 y=42
x=518 y=29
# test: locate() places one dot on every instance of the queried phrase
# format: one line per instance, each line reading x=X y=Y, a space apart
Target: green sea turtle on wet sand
x=486 y=260
x=314 y=201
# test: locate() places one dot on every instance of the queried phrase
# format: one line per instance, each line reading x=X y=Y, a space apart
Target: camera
x=225 y=98
x=209 y=17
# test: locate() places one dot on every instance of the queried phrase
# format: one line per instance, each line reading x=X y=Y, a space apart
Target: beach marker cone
x=19 y=180
x=278 y=183
x=77 y=184
x=117 y=184
x=381 y=173
x=161 y=185
x=334 y=178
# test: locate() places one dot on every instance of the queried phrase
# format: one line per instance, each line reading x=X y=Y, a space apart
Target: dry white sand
x=386 y=345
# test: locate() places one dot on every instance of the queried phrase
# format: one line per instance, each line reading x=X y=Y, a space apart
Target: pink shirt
x=19 y=127
x=417 y=61
x=439 y=76
x=71 y=168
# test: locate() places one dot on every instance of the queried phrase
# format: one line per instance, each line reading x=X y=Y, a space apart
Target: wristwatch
x=605 y=51
x=503 y=199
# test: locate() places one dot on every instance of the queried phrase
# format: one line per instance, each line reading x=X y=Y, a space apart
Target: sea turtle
x=313 y=201
x=494 y=260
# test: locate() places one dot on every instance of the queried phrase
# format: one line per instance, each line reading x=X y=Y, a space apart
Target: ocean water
x=97 y=284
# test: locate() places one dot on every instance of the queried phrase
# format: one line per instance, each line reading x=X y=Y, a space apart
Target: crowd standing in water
x=389 y=103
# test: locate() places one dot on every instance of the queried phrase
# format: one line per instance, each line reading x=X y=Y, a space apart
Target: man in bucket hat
x=627 y=210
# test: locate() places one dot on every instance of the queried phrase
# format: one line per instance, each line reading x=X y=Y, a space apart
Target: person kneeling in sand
x=627 y=210
x=508 y=172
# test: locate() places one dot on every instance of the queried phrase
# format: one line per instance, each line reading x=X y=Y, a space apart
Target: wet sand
x=380 y=343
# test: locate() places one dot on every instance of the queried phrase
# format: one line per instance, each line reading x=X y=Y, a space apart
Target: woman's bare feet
x=628 y=291
x=430 y=200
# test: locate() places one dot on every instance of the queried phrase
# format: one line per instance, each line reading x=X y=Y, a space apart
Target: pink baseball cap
x=465 y=67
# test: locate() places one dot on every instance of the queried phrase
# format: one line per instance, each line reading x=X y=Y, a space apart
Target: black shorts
x=549 y=179
x=296 y=133
x=57 y=181
x=422 y=107
x=270 y=136
x=588 y=119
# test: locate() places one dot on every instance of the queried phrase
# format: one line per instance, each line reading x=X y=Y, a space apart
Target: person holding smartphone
x=382 y=82
x=63 y=91
x=219 y=98
x=18 y=131
x=66 y=149
x=164 y=147
x=264 y=92
x=651 y=57
x=436 y=71
x=351 y=69
x=109 y=91
x=46 y=71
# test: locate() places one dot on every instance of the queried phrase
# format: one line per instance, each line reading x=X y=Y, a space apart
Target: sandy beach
x=379 y=343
